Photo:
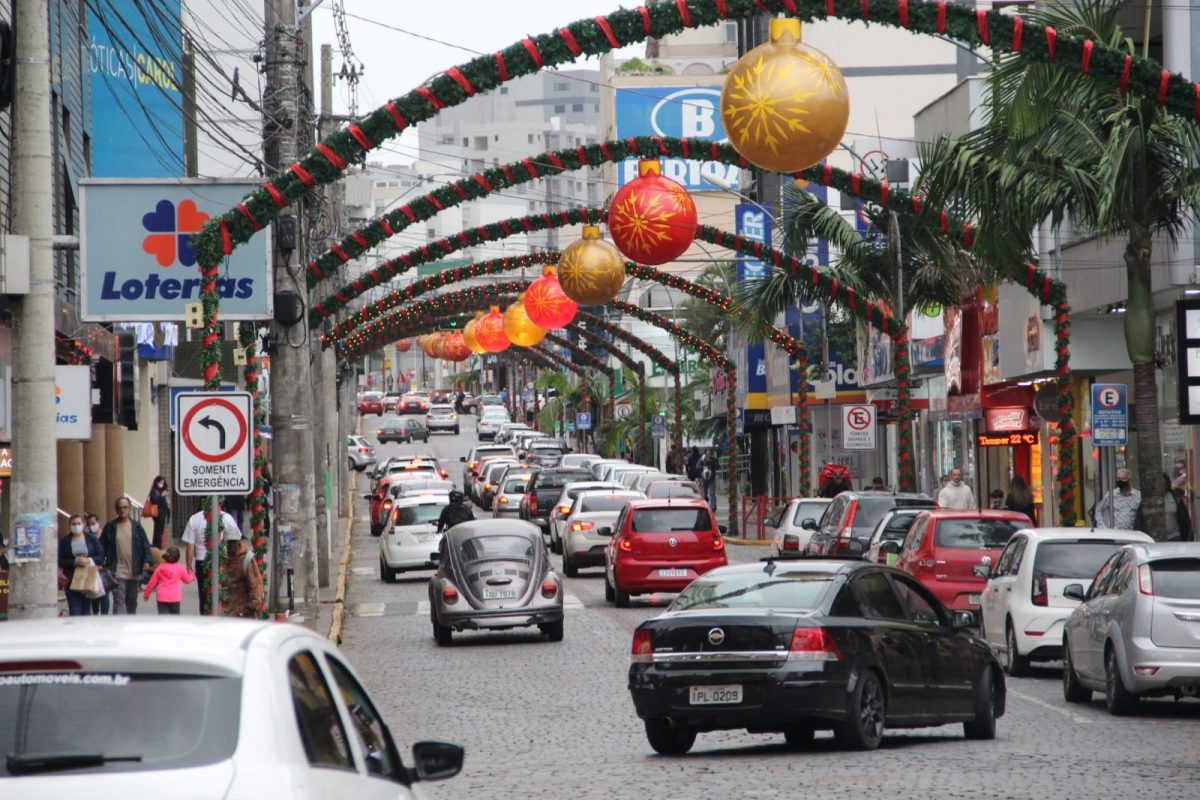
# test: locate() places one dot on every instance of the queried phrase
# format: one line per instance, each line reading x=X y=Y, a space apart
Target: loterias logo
x=169 y=234
x=58 y=416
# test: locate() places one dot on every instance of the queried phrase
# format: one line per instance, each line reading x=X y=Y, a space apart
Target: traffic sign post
x=858 y=427
x=658 y=427
x=583 y=420
x=214 y=455
x=1110 y=415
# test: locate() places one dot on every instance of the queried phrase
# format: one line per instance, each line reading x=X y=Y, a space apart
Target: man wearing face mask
x=126 y=556
x=1119 y=507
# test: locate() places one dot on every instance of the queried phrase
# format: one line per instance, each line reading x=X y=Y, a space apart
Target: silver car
x=360 y=453
x=1136 y=632
x=490 y=422
x=494 y=573
x=507 y=500
x=583 y=544
x=441 y=417
x=562 y=508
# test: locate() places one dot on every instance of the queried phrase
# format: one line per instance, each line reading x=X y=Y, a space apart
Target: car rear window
x=871 y=509
x=557 y=480
x=485 y=548
x=514 y=486
x=673 y=489
x=649 y=520
x=600 y=503
x=794 y=590
x=480 y=452
x=1081 y=559
x=1176 y=577
x=975 y=534
x=118 y=715
x=418 y=515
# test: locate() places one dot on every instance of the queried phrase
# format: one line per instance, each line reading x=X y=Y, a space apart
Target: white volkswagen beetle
x=110 y=706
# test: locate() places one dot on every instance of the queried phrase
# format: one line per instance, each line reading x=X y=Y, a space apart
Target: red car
x=413 y=404
x=371 y=403
x=943 y=545
x=660 y=546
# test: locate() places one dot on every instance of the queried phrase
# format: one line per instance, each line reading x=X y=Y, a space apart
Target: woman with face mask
x=78 y=549
x=93 y=528
x=158 y=492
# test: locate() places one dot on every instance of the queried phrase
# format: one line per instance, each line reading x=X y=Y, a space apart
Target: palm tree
x=1062 y=149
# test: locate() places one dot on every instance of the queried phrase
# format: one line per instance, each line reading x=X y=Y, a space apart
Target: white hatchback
x=410 y=539
x=583 y=544
x=255 y=710
x=1022 y=608
x=562 y=507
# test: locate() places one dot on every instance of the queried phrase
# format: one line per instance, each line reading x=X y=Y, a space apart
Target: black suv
x=848 y=522
x=545 y=486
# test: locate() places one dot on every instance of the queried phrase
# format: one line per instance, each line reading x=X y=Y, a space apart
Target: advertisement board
x=678 y=111
x=752 y=222
x=134 y=56
x=138 y=263
x=72 y=402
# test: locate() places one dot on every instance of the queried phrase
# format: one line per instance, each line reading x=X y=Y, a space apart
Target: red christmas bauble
x=404 y=345
x=652 y=219
x=454 y=348
x=489 y=332
x=546 y=304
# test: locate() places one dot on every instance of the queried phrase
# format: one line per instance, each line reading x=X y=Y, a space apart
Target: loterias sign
x=138 y=262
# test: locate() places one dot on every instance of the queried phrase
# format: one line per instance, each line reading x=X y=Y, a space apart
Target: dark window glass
x=373 y=736
x=1176 y=577
x=871 y=509
x=876 y=598
x=418 y=515
x=675 y=489
x=799 y=590
x=1072 y=559
x=974 y=534
x=590 y=504
x=317 y=718
x=920 y=609
x=556 y=480
x=844 y=605
x=671 y=519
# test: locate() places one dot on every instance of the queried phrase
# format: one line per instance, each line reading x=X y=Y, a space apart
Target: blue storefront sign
x=1110 y=415
x=754 y=222
x=680 y=112
x=138 y=262
x=135 y=59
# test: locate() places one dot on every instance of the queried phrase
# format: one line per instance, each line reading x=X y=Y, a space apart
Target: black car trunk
x=723 y=634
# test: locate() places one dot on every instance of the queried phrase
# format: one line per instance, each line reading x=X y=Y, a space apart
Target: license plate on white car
x=499 y=594
x=973 y=599
x=425 y=537
x=715 y=695
x=672 y=573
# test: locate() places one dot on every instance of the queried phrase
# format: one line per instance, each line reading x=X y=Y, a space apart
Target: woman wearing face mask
x=78 y=549
x=158 y=491
x=92 y=526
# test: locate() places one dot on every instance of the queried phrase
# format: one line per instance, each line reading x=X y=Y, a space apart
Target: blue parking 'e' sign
x=583 y=420
x=1110 y=415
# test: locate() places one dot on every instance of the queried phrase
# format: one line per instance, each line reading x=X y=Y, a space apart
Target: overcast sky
x=396 y=49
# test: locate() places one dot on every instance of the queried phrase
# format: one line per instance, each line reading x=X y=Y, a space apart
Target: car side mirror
x=962 y=619
x=462 y=459
x=854 y=547
x=605 y=531
x=723 y=530
x=808 y=524
x=1073 y=591
x=891 y=547
x=436 y=761
x=982 y=570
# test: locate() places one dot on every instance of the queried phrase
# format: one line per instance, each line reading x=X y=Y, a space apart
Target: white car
x=785 y=530
x=582 y=543
x=471 y=460
x=441 y=417
x=509 y=492
x=581 y=460
x=508 y=429
x=490 y=422
x=640 y=483
x=1023 y=610
x=599 y=467
x=271 y=710
x=410 y=539
x=562 y=507
x=619 y=472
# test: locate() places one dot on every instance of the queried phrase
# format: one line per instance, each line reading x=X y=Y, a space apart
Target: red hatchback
x=660 y=546
x=943 y=545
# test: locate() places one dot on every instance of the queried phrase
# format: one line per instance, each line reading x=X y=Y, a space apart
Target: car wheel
x=386 y=573
x=1073 y=690
x=442 y=634
x=621 y=598
x=350 y=463
x=984 y=724
x=553 y=630
x=569 y=567
x=799 y=736
x=555 y=545
x=668 y=739
x=609 y=594
x=376 y=530
x=1015 y=664
x=456 y=430
x=863 y=726
x=1120 y=701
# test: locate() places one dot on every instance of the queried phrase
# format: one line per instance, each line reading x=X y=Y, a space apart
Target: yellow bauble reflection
x=785 y=105
x=469 y=336
x=591 y=271
x=519 y=328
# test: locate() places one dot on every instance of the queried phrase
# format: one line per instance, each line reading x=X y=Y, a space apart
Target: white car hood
x=203 y=783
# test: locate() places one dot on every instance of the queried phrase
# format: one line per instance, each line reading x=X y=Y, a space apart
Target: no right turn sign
x=858 y=427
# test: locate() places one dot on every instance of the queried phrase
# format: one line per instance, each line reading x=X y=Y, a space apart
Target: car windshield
x=372 y=396
x=557 y=480
x=1079 y=559
x=975 y=534
x=811 y=511
x=792 y=590
x=103 y=722
x=418 y=515
x=486 y=548
x=1176 y=577
x=872 y=509
x=609 y=502
x=650 y=520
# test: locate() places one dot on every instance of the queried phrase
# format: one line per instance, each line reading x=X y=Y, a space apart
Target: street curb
x=339 y=599
x=755 y=542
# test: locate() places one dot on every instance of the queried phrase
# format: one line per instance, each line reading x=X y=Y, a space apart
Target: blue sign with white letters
x=753 y=223
x=1110 y=415
x=583 y=420
x=685 y=112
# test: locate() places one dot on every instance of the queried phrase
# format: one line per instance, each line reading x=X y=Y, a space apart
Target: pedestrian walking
x=158 y=509
x=673 y=461
x=78 y=549
x=877 y=484
x=956 y=494
x=195 y=550
x=241 y=578
x=126 y=556
x=996 y=499
x=693 y=464
x=1119 y=507
x=1020 y=498
x=167 y=581
x=1179 y=521
x=101 y=605
x=708 y=478
x=834 y=479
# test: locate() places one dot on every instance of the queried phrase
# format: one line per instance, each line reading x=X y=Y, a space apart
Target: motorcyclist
x=458 y=401
x=457 y=511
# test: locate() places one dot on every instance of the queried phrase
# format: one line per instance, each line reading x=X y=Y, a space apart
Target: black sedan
x=402 y=431
x=793 y=647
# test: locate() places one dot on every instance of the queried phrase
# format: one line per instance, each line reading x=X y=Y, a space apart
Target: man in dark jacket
x=458 y=511
x=126 y=556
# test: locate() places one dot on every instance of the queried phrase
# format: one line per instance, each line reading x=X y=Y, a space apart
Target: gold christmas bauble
x=591 y=270
x=519 y=328
x=785 y=105
x=469 y=336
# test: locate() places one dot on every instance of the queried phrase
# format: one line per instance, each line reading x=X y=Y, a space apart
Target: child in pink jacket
x=168 y=579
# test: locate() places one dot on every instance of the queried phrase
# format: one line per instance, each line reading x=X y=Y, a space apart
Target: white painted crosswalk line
x=570 y=603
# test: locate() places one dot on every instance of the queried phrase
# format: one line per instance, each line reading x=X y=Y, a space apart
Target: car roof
x=621 y=491
x=425 y=498
x=145 y=643
x=833 y=566
x=1068 y=534
x=971 y=513
x=493 y=527
x=668 y=502
x=1157 y=550
x=868 y=493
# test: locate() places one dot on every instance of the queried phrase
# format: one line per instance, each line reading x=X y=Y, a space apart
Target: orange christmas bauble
x=469 y=335
x=454 y=348
x=652 y=219
x=403 y=346
x=591 y=270
x=436 y=342
x=518 y=327
x=547 y=305
x=489 y=332
x=785 y=105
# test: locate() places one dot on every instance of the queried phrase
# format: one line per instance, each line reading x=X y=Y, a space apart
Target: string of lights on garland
x=248 y=339
x=579 y=352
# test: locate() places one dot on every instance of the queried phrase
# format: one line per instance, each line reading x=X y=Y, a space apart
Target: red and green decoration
x=256 y=534
x=652 y=219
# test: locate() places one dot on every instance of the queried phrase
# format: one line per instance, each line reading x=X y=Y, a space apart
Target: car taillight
x=387 y=504
x=454 y=416
x=449 y=594
x=1145 y=580
x=472 y=465
x=583 y=526
x=642 y=651
x=379 y=432
x=564 y=510
x=813 y=644
x=1040 y=597
x=487 y=487
x=549 y=588
x=842 y=543
x=791 y=542
x=625 y=544
x=444 y=473
x=718 y=542
x=363 y=450
x=502 y=500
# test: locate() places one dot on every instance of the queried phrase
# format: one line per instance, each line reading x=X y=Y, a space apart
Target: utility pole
x=34 y=591
x=291 y=396
x=191 y=136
